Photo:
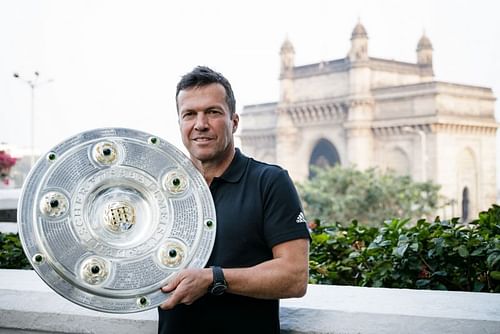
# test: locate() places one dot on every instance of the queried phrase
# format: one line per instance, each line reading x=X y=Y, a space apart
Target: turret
x=287 y=54
x=424 y=51
x=424 y=58
x=360 y=111
x=359 y=44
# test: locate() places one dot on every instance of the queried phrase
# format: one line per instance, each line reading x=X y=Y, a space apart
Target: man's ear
x=236 y=121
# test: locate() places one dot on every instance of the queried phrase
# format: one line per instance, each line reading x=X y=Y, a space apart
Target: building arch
x=324 y=154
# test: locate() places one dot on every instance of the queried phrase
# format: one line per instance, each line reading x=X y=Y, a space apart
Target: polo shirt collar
x=236 y=169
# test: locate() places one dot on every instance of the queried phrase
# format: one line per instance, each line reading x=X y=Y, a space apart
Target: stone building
x=365 y=112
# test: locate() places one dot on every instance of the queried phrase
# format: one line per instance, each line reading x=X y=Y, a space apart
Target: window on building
x=324 y=154
x=465 y=204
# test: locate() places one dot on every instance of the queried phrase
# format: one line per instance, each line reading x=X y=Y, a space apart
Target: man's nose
x=201 y=122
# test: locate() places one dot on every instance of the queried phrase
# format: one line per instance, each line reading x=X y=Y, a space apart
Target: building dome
x=424 y=43
x=359 y=31
x=287 y=46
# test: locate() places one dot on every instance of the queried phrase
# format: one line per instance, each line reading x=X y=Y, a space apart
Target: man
x=262 y=242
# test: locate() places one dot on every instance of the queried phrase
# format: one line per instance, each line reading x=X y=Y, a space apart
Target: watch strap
x=219 y=284
x=218 y=274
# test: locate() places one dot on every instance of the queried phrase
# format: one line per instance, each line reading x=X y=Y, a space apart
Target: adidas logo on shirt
x=301 y=218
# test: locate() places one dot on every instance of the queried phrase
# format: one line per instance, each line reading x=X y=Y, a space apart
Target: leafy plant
x=445 y=255
x=11 y=252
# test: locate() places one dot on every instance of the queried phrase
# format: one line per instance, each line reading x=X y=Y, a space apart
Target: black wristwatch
x=219 y=285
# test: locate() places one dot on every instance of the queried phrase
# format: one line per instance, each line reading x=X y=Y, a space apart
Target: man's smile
x=202 y=139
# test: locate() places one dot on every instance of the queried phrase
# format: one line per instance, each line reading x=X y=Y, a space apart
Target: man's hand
x=187 y=286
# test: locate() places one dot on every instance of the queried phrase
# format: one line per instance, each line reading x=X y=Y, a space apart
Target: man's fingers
x=170 y=302
x=175 y=297
x=168 y=288
x=184 y=288
x=172 y=284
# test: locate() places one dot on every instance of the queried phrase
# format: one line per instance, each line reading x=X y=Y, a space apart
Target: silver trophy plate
x=107 y=218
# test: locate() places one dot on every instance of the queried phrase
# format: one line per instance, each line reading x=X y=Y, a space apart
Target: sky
x=116 y=63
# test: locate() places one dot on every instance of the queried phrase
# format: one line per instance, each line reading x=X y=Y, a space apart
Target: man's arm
x=284 y=276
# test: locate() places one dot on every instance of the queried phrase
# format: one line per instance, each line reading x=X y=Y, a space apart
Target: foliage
x=444 y=255
x=11 y=252
x=339 y=194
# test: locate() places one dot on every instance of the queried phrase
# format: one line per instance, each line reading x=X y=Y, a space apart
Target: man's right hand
x=186 y=287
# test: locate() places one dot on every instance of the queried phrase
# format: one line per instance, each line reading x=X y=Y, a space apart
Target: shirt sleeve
x=284 y=218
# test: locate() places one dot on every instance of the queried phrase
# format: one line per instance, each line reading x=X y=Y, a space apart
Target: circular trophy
x=110 y=215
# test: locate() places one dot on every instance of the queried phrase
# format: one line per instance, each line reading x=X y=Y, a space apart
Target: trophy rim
x=61 y=279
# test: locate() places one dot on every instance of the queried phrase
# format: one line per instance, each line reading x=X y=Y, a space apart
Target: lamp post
x=423 y=144
x=33 y=84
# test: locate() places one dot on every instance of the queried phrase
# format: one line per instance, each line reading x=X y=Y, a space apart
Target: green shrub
x=444 y=255
x=11 y=252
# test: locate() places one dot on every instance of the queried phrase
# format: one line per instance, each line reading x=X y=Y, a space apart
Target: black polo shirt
x=257 y=207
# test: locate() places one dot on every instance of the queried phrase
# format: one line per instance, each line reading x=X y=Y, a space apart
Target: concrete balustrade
x=28 y=305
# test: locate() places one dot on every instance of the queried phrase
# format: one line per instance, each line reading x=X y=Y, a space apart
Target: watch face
x=218 y=289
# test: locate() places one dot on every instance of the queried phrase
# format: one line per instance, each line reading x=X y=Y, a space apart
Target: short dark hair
x=201 y=76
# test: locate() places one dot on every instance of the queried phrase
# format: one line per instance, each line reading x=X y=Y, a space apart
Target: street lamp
x=33 y=84
x=422 y=135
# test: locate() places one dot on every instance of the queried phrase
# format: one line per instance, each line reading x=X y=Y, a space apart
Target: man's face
x=205 y=121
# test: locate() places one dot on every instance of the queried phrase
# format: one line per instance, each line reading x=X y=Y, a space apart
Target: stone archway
x=324 y=154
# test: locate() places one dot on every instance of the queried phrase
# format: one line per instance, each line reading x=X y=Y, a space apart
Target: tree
x=339 y=194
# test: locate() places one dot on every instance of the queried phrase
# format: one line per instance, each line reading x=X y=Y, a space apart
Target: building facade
x=369 y=112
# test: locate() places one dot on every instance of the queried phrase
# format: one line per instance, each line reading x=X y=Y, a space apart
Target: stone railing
x=27 y=305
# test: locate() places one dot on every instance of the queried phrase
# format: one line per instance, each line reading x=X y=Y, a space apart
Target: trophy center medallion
x=119 y=217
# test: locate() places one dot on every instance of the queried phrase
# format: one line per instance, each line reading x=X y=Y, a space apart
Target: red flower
x=6 y=163
x=6 y=160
